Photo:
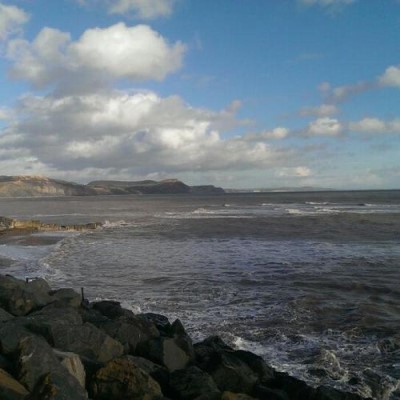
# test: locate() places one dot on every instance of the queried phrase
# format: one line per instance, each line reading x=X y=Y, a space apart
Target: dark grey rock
x=193 y=383
x=11 y=389
x=20 y=297
x=122 y=379
x=5 y=316
x=66 y=297
x=41 y=373
x=111 y=309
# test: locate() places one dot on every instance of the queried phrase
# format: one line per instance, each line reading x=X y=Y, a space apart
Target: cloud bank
x=11 y=20
x=97 y=59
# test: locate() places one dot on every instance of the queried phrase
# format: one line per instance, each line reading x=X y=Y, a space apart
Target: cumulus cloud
x=11 y=20
x=274 y=134
x=97 y=58
x=324 y=110
x=324 y=127
x=391 y=77
x=375 y=126
x=128 y=133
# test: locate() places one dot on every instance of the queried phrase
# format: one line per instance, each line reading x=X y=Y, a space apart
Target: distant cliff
x=37 y=186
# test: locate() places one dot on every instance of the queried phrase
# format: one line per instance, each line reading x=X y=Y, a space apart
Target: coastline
x=54 y=344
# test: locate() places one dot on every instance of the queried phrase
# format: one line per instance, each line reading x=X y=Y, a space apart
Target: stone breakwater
x=55 y=345
x=10 y=225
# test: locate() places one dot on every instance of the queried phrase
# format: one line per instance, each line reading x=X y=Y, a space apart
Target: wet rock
x=161 y=322
x=128 y=329
x=88 y=341
x=41 y=373
x=111 y=309
x=235 y=396
x=264 y=392
x=293 y=387
x=122 y=379
x=156 y=371
x=20 y=297
x=165 y=351
x=5 y=316
x=11 y=333
x=328 y=393
x=53 y=386
x=11 y=389
x=66 y=297
x=233 y=370
x=193 y=383
x=73 y=364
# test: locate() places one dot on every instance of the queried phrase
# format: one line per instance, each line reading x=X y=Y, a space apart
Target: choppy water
x=310 y=281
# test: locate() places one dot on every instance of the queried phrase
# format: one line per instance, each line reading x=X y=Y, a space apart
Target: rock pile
x=54 y=346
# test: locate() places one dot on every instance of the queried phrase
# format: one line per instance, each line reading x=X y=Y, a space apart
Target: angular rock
x=11 y=389
x=111 y=309
x=41 y=373
x=293 y=387
x=11 y=333
x=5 y=316
x=193 y=383
x=170 y=352
x=233 y=371
x=88 y=341
x=130 y=330
x=73 y=364
x=53 y=386
x=66 y=297
x=122 y=379
x=156 y=371
x=236 y=396
x=20 y=297
x=328 y=393
x=162 y=323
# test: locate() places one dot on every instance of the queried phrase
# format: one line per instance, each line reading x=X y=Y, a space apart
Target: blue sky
x=240 y=93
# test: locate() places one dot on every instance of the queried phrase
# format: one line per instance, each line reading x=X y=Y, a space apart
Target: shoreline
x=55 y=344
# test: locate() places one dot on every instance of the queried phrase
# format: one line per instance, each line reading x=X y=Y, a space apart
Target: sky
x=235 y=93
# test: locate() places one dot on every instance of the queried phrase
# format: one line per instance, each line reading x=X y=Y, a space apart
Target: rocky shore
x=10 y=226
x=55 y=344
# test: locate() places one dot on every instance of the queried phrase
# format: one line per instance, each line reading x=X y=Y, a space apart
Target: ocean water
x=310 y=281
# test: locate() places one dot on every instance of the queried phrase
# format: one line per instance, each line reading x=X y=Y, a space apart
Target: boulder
x=73 y=364
x=161 y=322
x=111 y=309
x=5 y=316
x=66 y=297
x=11 y=333
x=10 y=389
x=236 y=396
x=88 y=341
x=170 y=352
x=328 y=393
x=294 y=388
x=40 y=371
x=233 y=371
x=20 y=297
x=122 y=379
x=156 y=371
x=193 y=383
x=128 y=329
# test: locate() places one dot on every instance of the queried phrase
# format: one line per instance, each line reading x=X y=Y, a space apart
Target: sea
x=308 y=280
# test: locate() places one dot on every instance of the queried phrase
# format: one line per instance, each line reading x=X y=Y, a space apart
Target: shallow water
x=308 y=280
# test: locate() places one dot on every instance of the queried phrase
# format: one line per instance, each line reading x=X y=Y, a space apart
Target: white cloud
x=134 y=134
x=4 y=113
x=145 y=9
x=324 y=127
x=375 y=126
x=274 y=134
x=11 y=20
x=97 y=58
x=300 y=172
x=324 y=110
x=391 y=77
